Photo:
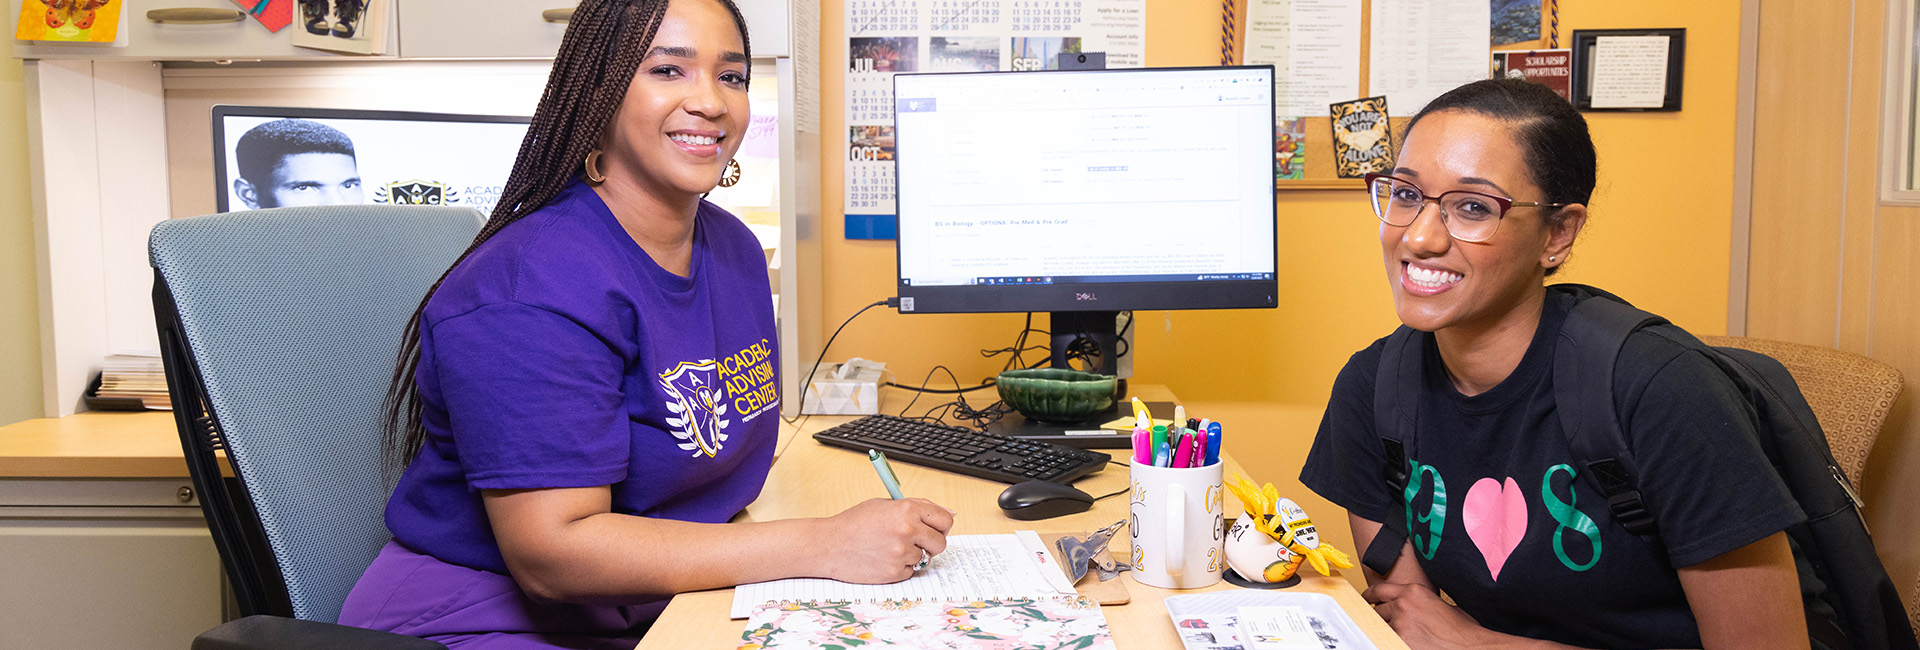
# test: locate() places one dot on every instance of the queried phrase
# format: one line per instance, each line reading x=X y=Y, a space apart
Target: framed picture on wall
x=1628 y=69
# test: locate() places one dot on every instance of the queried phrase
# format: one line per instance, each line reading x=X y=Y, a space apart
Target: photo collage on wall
x=887 y=37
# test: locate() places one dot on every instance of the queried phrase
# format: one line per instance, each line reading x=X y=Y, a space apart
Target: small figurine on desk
x=1268 y=545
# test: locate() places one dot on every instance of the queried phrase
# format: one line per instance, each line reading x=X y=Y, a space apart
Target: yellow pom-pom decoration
x=1291 y=536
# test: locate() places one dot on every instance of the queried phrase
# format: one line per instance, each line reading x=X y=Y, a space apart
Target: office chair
x=1850 y=394
x=278 y=330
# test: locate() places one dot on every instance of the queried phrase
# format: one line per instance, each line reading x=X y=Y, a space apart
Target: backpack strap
x=1396 y=389
x=1583 y=361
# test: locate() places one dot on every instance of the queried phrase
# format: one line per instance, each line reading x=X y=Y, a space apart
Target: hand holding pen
x=892 y=483
x=876 y=541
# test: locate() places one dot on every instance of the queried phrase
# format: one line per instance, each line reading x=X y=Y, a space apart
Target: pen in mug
x=1142 y=437
x=1199 y=456
x=893 y=489
x=1183 y=450
x=1213 y=443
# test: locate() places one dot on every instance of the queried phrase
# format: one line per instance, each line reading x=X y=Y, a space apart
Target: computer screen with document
x=1086 y=190
x=1086 y=193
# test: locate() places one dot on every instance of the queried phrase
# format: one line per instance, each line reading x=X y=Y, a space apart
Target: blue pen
x=1213 y=443
x=893 y=489
x=1161 y=456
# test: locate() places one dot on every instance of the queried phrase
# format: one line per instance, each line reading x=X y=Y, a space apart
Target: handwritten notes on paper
x=1314 y=47
x=1421 y=48
x=1630 y=71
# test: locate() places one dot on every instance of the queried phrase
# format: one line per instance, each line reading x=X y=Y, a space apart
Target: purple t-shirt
x=560 y=355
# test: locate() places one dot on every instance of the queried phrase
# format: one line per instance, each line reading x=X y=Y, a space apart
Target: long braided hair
x=602 y=48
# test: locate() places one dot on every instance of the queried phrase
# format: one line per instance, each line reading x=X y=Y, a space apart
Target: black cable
x=1103 y=496
x=959 y=409
x=942 y=391
x=808 y=380
x=1020 y=347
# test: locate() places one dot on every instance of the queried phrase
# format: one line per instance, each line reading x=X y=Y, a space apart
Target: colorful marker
x=1213 y=443
x=1183 y=451
x=1142 y=436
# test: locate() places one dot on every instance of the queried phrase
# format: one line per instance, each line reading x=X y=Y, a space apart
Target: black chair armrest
x=262 y=632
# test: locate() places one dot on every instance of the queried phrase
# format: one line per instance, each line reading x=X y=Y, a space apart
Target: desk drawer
x=120 y=492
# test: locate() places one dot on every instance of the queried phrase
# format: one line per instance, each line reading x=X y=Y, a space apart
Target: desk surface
x=95 y=444
x=795 y=488
x=136 y=445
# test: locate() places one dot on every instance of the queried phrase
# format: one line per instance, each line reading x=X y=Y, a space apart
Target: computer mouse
x=1043 y=500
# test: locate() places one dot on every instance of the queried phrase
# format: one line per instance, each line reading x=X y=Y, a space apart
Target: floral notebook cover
x=1065 y=623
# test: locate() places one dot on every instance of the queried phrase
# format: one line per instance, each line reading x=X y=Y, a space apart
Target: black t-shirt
x=1525 y=544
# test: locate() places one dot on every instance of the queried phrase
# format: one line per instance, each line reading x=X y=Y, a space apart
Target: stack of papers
x=136 y=375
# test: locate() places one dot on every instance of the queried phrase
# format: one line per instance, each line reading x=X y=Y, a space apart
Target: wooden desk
x=97 y=515
x=94 y=444
x=813 y=480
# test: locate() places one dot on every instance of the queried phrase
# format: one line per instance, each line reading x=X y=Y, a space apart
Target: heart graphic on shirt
x=1495 y=516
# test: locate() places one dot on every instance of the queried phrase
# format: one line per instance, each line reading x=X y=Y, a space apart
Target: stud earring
x=1551 y=258
x=592 y=165
x=731 y=175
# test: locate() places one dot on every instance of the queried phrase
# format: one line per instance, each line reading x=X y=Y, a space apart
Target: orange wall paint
x=1659 y=236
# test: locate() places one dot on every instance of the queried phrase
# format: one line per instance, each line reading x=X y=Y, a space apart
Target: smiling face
x=1440 y=282
x=685 y=113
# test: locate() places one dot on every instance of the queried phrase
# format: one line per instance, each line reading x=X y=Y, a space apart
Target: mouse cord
x=1103 y=496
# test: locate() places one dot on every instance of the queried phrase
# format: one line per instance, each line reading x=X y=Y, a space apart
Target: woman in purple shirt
x=589 y=395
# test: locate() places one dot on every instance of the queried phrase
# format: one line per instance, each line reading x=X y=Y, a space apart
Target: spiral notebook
x=989 y=592
x=973 y=568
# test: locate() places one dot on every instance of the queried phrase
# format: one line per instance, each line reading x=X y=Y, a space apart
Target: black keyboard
x=964 y=451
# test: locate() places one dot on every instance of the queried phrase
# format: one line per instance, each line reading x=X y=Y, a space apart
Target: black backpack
x=1851 y=603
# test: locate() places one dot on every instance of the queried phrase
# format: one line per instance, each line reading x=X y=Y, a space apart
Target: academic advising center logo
x=698 y=405
x=416 y=192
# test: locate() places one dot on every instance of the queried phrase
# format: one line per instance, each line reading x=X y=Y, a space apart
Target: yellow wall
x=1659 y=237
x=19 y=302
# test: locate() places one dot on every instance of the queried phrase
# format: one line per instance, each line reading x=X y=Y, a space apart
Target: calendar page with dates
x=887 y=37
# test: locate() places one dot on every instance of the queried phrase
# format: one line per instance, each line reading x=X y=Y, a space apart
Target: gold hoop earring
x=592 y=165
x=731 y=175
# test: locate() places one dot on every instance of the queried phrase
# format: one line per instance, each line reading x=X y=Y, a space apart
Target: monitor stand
x=1092 y=333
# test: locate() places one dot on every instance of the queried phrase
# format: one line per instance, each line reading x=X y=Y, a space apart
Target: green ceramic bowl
x=1056 y=395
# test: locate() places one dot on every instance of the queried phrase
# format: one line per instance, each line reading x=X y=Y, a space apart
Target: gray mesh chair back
x=279 y=329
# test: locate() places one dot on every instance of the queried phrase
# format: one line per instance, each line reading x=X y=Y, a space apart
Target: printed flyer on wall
x=886 y=37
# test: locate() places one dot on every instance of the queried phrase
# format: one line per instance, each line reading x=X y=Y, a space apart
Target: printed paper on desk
x=1211 y=621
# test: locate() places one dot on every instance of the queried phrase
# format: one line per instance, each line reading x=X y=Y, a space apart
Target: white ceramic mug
x=1177 y=526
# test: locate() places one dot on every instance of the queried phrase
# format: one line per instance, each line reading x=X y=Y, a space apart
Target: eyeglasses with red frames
x=1468 y=216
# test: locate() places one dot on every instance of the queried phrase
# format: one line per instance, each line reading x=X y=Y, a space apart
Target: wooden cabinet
x=423 y=29
x=514 y=29
x=148 y=40
x=105 y=563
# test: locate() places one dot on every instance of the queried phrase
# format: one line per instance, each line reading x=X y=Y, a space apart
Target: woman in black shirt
x=1487 y=196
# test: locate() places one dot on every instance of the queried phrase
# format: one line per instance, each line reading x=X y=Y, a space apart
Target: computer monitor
x=1085 y=193
x=280 y=156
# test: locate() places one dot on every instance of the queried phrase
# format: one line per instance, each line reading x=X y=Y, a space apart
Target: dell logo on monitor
x=1084 y=296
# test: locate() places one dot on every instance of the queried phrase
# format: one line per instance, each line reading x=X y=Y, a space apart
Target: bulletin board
x=1511 y=23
